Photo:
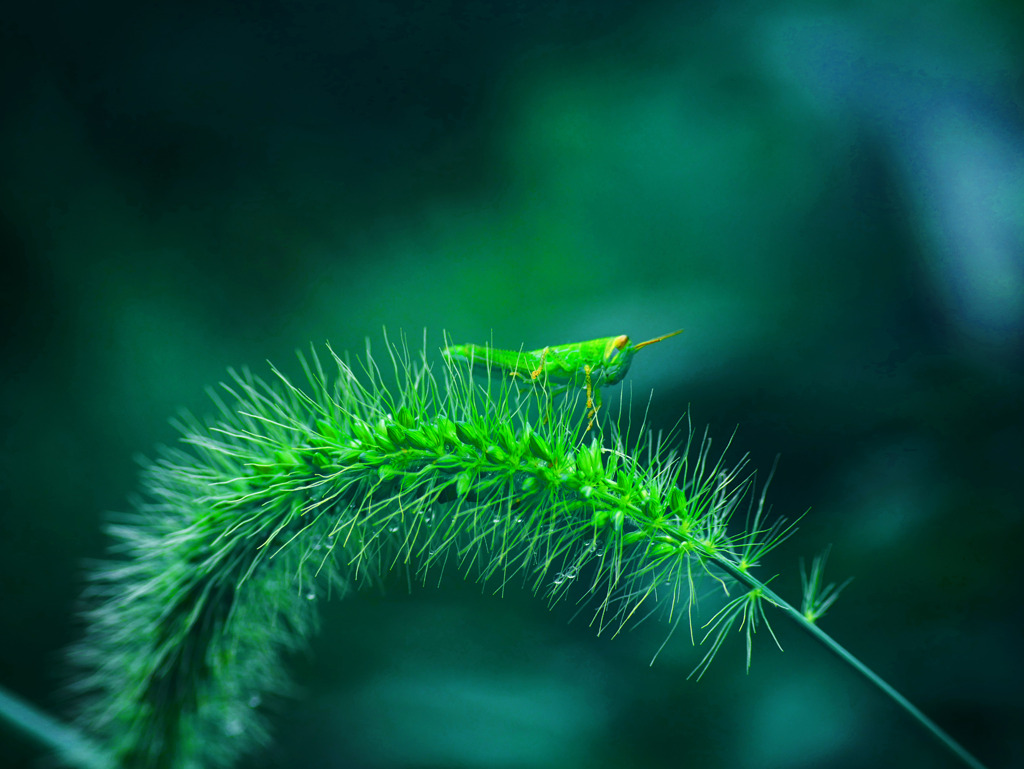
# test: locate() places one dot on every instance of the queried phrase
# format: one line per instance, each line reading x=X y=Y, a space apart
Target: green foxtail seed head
x=295 y=493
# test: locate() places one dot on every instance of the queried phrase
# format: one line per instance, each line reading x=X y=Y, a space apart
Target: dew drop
x=564 y=576
x=310 y=595
x=255 y=701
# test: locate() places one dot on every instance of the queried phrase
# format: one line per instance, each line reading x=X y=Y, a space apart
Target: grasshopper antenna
x=657 y=339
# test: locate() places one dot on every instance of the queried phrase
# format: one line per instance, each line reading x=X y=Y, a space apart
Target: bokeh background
x=828 y=197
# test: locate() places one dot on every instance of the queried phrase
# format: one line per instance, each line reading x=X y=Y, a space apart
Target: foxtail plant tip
x=396 y=463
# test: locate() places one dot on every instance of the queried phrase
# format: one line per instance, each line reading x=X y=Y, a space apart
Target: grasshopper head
x=619 y=352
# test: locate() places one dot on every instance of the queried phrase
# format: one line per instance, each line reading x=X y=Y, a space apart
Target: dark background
x=828 y=197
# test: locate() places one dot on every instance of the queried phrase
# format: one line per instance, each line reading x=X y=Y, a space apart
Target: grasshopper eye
x=618 y=344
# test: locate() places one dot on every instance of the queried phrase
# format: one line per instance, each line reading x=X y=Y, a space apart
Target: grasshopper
x=592 y=364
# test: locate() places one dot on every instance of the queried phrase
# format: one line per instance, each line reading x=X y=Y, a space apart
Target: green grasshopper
x=592 y=364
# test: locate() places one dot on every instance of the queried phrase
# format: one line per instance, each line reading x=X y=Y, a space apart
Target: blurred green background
x=828 y=197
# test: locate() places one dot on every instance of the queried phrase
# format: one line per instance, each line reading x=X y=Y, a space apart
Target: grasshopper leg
x=591 y=392
x=540 y=366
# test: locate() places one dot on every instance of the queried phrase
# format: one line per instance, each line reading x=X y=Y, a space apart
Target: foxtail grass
x=295 y=493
